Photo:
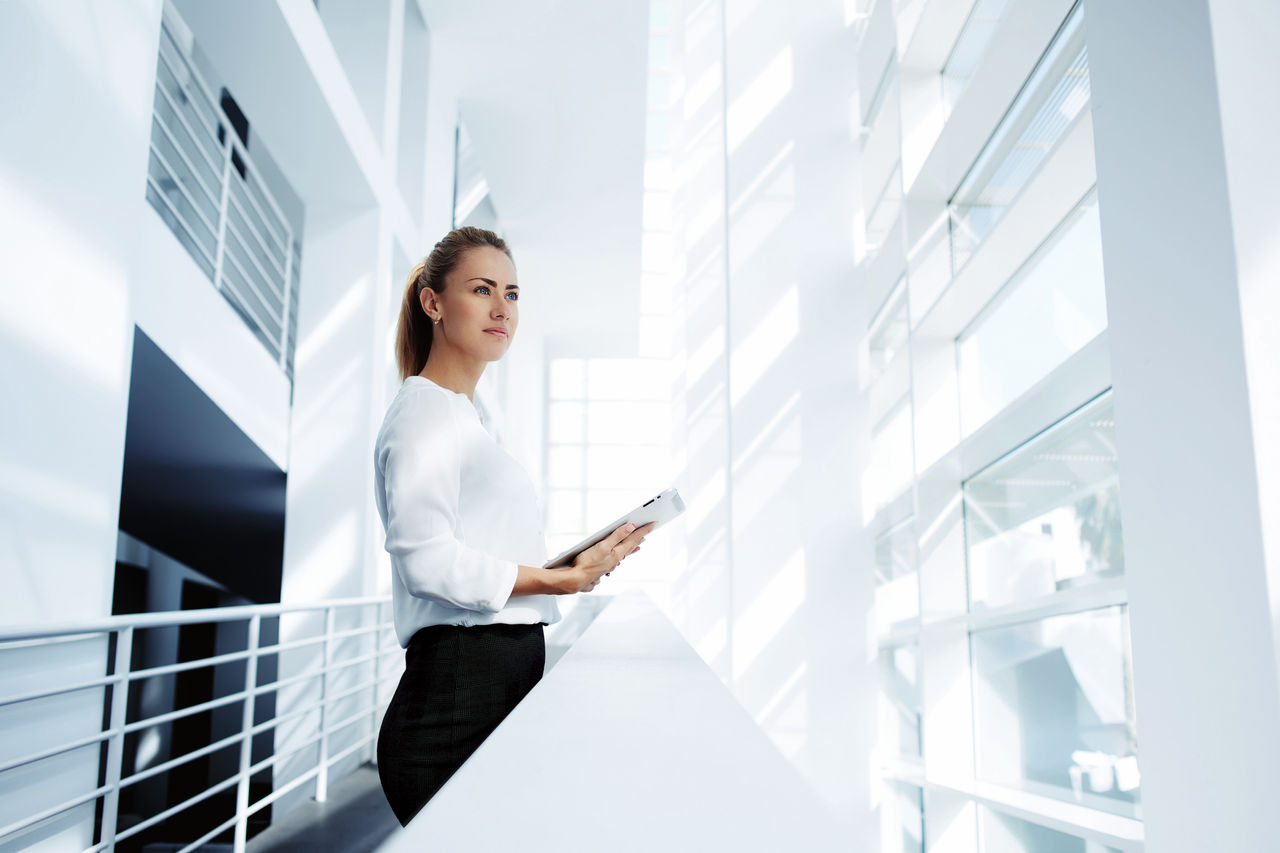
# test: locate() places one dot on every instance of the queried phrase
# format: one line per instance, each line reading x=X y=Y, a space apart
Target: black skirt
x=458 y=684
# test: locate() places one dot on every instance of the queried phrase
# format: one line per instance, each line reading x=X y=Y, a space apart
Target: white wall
x=86 y=259
x=777 y=587
x=1188 y=241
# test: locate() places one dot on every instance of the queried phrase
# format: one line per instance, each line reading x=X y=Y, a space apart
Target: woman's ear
x=430 y=303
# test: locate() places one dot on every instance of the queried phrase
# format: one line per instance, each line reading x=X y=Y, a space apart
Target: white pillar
x=1202 y=633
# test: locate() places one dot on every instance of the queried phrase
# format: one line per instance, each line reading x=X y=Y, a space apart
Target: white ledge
x=629 y=743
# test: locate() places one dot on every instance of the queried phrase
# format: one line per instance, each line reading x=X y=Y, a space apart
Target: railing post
x=377 y=673
x=246 y=733
x=220 y=248
x=115 y=745
x=322 y=776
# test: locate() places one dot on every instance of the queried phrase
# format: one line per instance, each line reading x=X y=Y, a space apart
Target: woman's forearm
x=531 y=580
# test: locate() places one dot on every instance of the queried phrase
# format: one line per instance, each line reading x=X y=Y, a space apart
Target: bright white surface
x=629 y=743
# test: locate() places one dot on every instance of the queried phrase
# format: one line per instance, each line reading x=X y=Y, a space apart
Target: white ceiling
x=553 y=96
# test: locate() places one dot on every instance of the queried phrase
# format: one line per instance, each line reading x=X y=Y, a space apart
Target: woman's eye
x=513 y=296
x=480 y=288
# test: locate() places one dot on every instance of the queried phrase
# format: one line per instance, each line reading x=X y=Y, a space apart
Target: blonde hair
x=414 y=331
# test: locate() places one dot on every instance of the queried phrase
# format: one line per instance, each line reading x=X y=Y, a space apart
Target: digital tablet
x=661 y=509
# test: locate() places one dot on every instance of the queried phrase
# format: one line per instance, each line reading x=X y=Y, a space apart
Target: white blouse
x=460 y=514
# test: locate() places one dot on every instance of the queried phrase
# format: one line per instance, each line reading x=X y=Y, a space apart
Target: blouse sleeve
x=420 y=457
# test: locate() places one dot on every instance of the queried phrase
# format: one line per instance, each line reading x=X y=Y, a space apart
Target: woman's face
x=477 y=311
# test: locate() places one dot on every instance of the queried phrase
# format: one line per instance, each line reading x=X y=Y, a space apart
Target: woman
x=463 y=528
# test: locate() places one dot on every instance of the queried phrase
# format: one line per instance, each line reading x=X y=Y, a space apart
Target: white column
x=1203 y=646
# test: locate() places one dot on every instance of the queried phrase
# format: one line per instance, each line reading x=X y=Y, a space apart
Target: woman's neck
x=459 y=375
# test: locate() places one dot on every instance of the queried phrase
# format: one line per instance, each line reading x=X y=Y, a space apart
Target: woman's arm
x=586 y=571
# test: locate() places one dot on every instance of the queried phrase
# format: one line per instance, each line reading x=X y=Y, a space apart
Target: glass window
x=969 y=48
x=900 y=701
x=891 y=466
x=889 y=329
x=902 y=818
x=897 y=583
x=884 y=215
x=1002 y=833
x=1054 y=95
x=1047 y=516
x=1054 y=305
x=1054 y=709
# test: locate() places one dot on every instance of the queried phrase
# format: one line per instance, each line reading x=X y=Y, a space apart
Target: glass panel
x=564 y=422
x=567 y=379
x=899 y=704
x=564 y=467
x=882 y=217
x=1054 y=95
x=1051 y=308
x=1054 y=709
x=970 y=48
x=1001 y=833
x=897 y=583
x=890 y=469
x=889 y=330
x=1047 y=516
x=902 y=818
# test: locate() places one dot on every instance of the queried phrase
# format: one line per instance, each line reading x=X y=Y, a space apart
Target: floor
x=355 y=819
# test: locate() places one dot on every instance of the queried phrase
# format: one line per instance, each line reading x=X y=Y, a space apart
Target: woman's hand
x=603 y=557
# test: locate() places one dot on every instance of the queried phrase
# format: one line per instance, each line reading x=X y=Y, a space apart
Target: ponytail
x=414 y=331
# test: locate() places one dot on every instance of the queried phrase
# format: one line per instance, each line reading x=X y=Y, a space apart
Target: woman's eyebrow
x=493 y=283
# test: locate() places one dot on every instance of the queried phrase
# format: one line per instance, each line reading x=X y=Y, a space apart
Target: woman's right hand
x=603 y=557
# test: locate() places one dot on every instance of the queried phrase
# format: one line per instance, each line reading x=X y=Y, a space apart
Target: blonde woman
x=462 y=526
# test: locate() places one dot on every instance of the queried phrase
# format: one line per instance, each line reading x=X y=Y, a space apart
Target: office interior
x=951 y=320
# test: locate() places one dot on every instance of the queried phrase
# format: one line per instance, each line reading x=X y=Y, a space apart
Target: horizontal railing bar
x=79 y=743
x=182 y=759
x=253 y=229
x=282 y=790
x=350 y=691
x=183 y=154
x=170 y=716
x=204 y=91
x=180 y=617
x=27 y=822
x=281 y=240
x=351 y=720
x=253 y=258
x=222 y=827
x=182 y=220
x=164 y=161
x=360 y=744
x=263 y=689
x=244 y=303
x=253 y=170
x=194 y=135
x=278 y=756
x=292 y=644
x=104 y=681
x=199 y=663
x=267 y=725
x=101 y=845
x=173 y=810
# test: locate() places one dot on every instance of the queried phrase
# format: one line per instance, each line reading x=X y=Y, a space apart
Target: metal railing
x=356 y=640
x=206 y=188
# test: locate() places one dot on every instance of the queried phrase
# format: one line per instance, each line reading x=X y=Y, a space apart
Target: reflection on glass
x=1054 y=709
x=883 y=216
x=1054 y=95
x=1047 y=516
x=889 y=328
x=1004 y=834
x=897 y=582
x=889 y=472
x=969 y=48
x=902 y=818
x=899 y=705
x=1048 y=311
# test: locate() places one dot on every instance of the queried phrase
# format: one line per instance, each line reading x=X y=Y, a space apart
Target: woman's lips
x=499 y=333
